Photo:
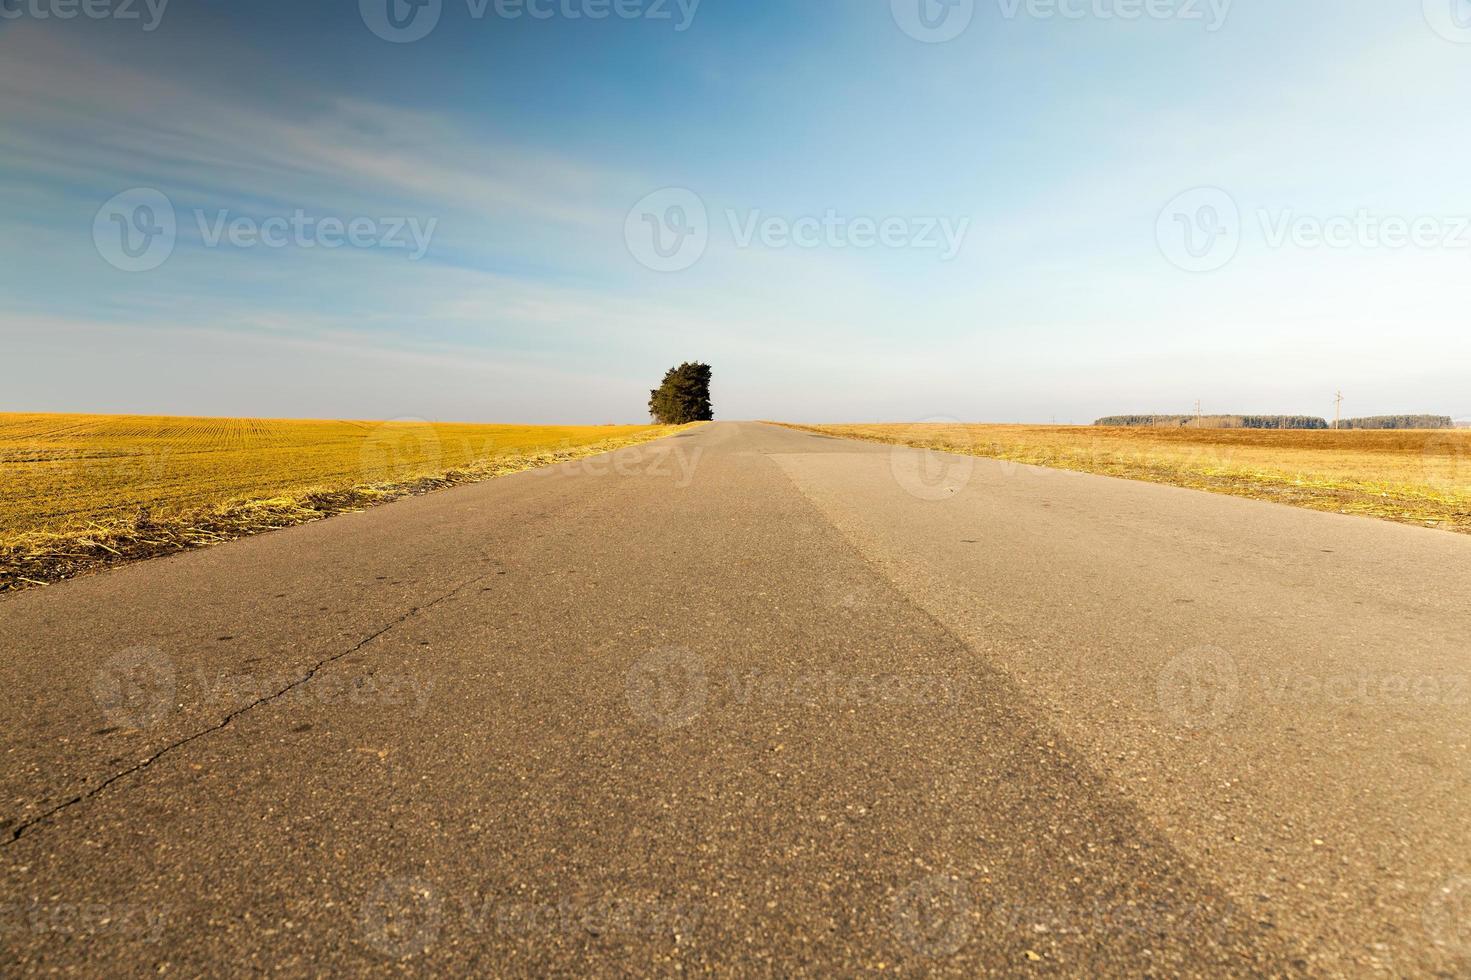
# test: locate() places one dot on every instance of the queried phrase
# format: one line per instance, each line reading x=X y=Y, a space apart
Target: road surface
x=752 y=701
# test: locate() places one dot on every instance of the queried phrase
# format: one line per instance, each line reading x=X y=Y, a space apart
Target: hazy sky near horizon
x=280 y=208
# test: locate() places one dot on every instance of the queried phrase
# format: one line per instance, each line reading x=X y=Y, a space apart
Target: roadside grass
x=82 y=491
x=1412 y=476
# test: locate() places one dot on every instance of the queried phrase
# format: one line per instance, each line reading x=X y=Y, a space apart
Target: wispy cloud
x=529 y=276
x=75 y=112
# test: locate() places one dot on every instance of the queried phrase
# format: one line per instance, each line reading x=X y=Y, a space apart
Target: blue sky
x=1075 y=157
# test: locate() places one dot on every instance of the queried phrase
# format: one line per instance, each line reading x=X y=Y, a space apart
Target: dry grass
x=77 y=491
x=1416 y=477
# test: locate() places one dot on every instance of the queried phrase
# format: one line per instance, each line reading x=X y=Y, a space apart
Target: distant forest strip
x=1276 y=422
x=1400 y=422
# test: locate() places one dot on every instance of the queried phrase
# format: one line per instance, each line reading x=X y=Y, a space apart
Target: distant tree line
x=1217 y=421
x=1278 y=422
x=1400 y=422
x=683 y=397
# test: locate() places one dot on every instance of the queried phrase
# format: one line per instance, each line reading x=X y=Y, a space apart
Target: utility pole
x=1337 y=409
x=1197 y=409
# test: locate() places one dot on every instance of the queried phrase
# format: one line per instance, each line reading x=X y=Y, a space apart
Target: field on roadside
x=1413 y=476
x=79 y=490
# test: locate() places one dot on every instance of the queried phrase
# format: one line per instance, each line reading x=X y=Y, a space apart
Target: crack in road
x=26 y=825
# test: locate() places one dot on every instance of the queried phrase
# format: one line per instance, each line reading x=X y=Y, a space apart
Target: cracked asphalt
x=751 y=701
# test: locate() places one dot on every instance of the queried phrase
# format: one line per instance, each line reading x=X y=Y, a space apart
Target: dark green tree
x=684 y=396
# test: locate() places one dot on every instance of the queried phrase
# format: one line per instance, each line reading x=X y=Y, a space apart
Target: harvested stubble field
x=1413 y=476
x=77 y=491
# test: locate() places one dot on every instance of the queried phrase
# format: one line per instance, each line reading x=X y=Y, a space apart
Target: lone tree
x=684 y=396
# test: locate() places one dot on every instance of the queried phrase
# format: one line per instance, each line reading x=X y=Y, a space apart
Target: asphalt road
x=752 y=701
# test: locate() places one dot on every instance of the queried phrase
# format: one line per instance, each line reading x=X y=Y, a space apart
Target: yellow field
x=78 y=490
x=1416 y=476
